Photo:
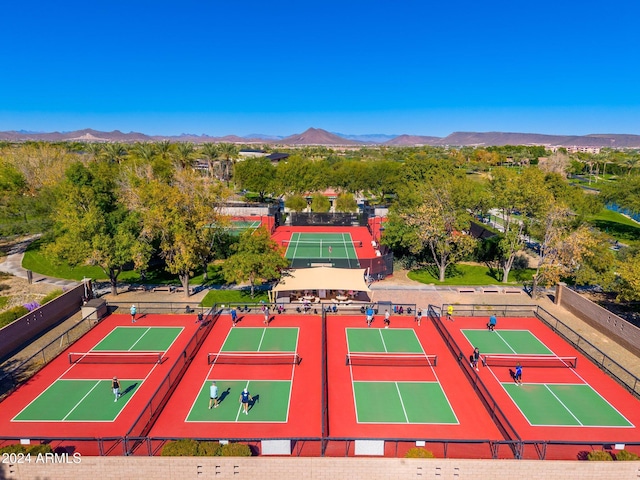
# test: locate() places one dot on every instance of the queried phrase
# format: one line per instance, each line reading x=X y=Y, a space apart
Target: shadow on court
x=224 y=395
x=129 y=389
x=256 y=399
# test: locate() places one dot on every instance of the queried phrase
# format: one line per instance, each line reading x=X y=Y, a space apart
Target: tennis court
x=238 y=227
x=271 y=349
x=392 y=398
x=313 y=249
x=553 y=393
x=83 y=393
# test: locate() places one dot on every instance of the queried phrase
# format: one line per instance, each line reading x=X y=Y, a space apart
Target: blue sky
x=353 y=67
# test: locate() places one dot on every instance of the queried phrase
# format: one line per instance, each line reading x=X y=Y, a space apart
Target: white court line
x=562 y=403
x=404 y=410
x=136 y=342
x=382 y=338
x=81 y=400
x=505 y=342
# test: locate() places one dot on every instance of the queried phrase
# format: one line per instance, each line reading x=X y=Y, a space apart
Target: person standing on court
x=493 y=321
x=418 y=315
x=234 y=316
x=369 y=314
x=115 y=388
x=330 y=251
x=474 y=358
x=450 y=313
x=265 y=310
x=518 y=376
x=133 y=311
x=213 y=395
x=245 y=398
x=387 y=319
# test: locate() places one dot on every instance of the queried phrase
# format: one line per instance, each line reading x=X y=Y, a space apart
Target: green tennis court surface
x=270 y=402
x=238 y=227
x=271 y=339
x=131 y=339
x=383 y=340
x=335 y=248
x=564 y=405
x=402 y=402
x=78 y=401
x=506 y=342
x=396 y=402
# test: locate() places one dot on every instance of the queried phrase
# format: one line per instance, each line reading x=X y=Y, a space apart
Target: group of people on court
x=244 y=399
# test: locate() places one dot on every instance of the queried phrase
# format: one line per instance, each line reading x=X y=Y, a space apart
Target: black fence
x=307 y=219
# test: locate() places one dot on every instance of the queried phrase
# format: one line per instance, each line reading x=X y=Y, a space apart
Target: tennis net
x=322 y=243
x=254 y=358
x=528 y=361
x=392 y=359
x=115 y=357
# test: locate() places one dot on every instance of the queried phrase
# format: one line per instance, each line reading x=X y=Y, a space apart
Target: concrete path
x=12 y=264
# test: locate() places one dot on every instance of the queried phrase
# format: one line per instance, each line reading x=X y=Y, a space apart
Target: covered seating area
x=326 y=285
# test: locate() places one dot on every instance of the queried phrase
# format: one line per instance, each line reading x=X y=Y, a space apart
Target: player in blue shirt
x=492 y=323
x=369 y=316
x=518 y=376
x=245 y=398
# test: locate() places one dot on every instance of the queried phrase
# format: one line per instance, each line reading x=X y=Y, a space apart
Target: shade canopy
x=322 y=278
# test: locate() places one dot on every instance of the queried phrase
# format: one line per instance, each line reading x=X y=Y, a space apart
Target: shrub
x=11 y=315
x=599 y=455
x=208 y=449
x=235 y=450
x=15 y=448
x=180 y=448
x=418 y=452
x=51 y=295
x=31 y=306
x=38 y=449
x=624 y=455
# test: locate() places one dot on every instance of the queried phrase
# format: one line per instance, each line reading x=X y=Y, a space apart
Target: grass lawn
x=232 y=296
x=469 y=275
x=35 y=260
x=617 y=225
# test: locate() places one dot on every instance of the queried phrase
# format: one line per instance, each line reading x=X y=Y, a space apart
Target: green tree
x=255 y=174
x=346 y=203
x=211 y=152
x=296 y=203
x=257 y=257
x=513 y=193
x=91 y=225
x=320 y=203
x=229 y=152
x=440 y=229
x=182 y=217
x=628 y=272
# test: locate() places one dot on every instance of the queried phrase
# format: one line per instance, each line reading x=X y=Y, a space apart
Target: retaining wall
x=623 y=332
x=185 y=468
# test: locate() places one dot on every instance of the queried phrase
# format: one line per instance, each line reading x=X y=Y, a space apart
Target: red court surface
x=151 y=374
x=585 y=372
x=474 y=422
x=357 y=233
x=305 y=411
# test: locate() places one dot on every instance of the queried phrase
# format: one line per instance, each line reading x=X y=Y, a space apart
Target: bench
x=491 y=290
x=163 y=288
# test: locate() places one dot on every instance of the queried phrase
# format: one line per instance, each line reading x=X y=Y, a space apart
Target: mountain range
x=317 y=136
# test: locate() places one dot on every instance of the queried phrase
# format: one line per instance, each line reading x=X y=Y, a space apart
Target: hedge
x=192 y=448
x=31 y=449
x=418 y=452
x=12 y=315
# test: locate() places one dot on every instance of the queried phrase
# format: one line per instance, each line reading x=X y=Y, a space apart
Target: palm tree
x=211 y=151
x=229 y=152
x=144 y=151
x=115 y=152
x=184 y=154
